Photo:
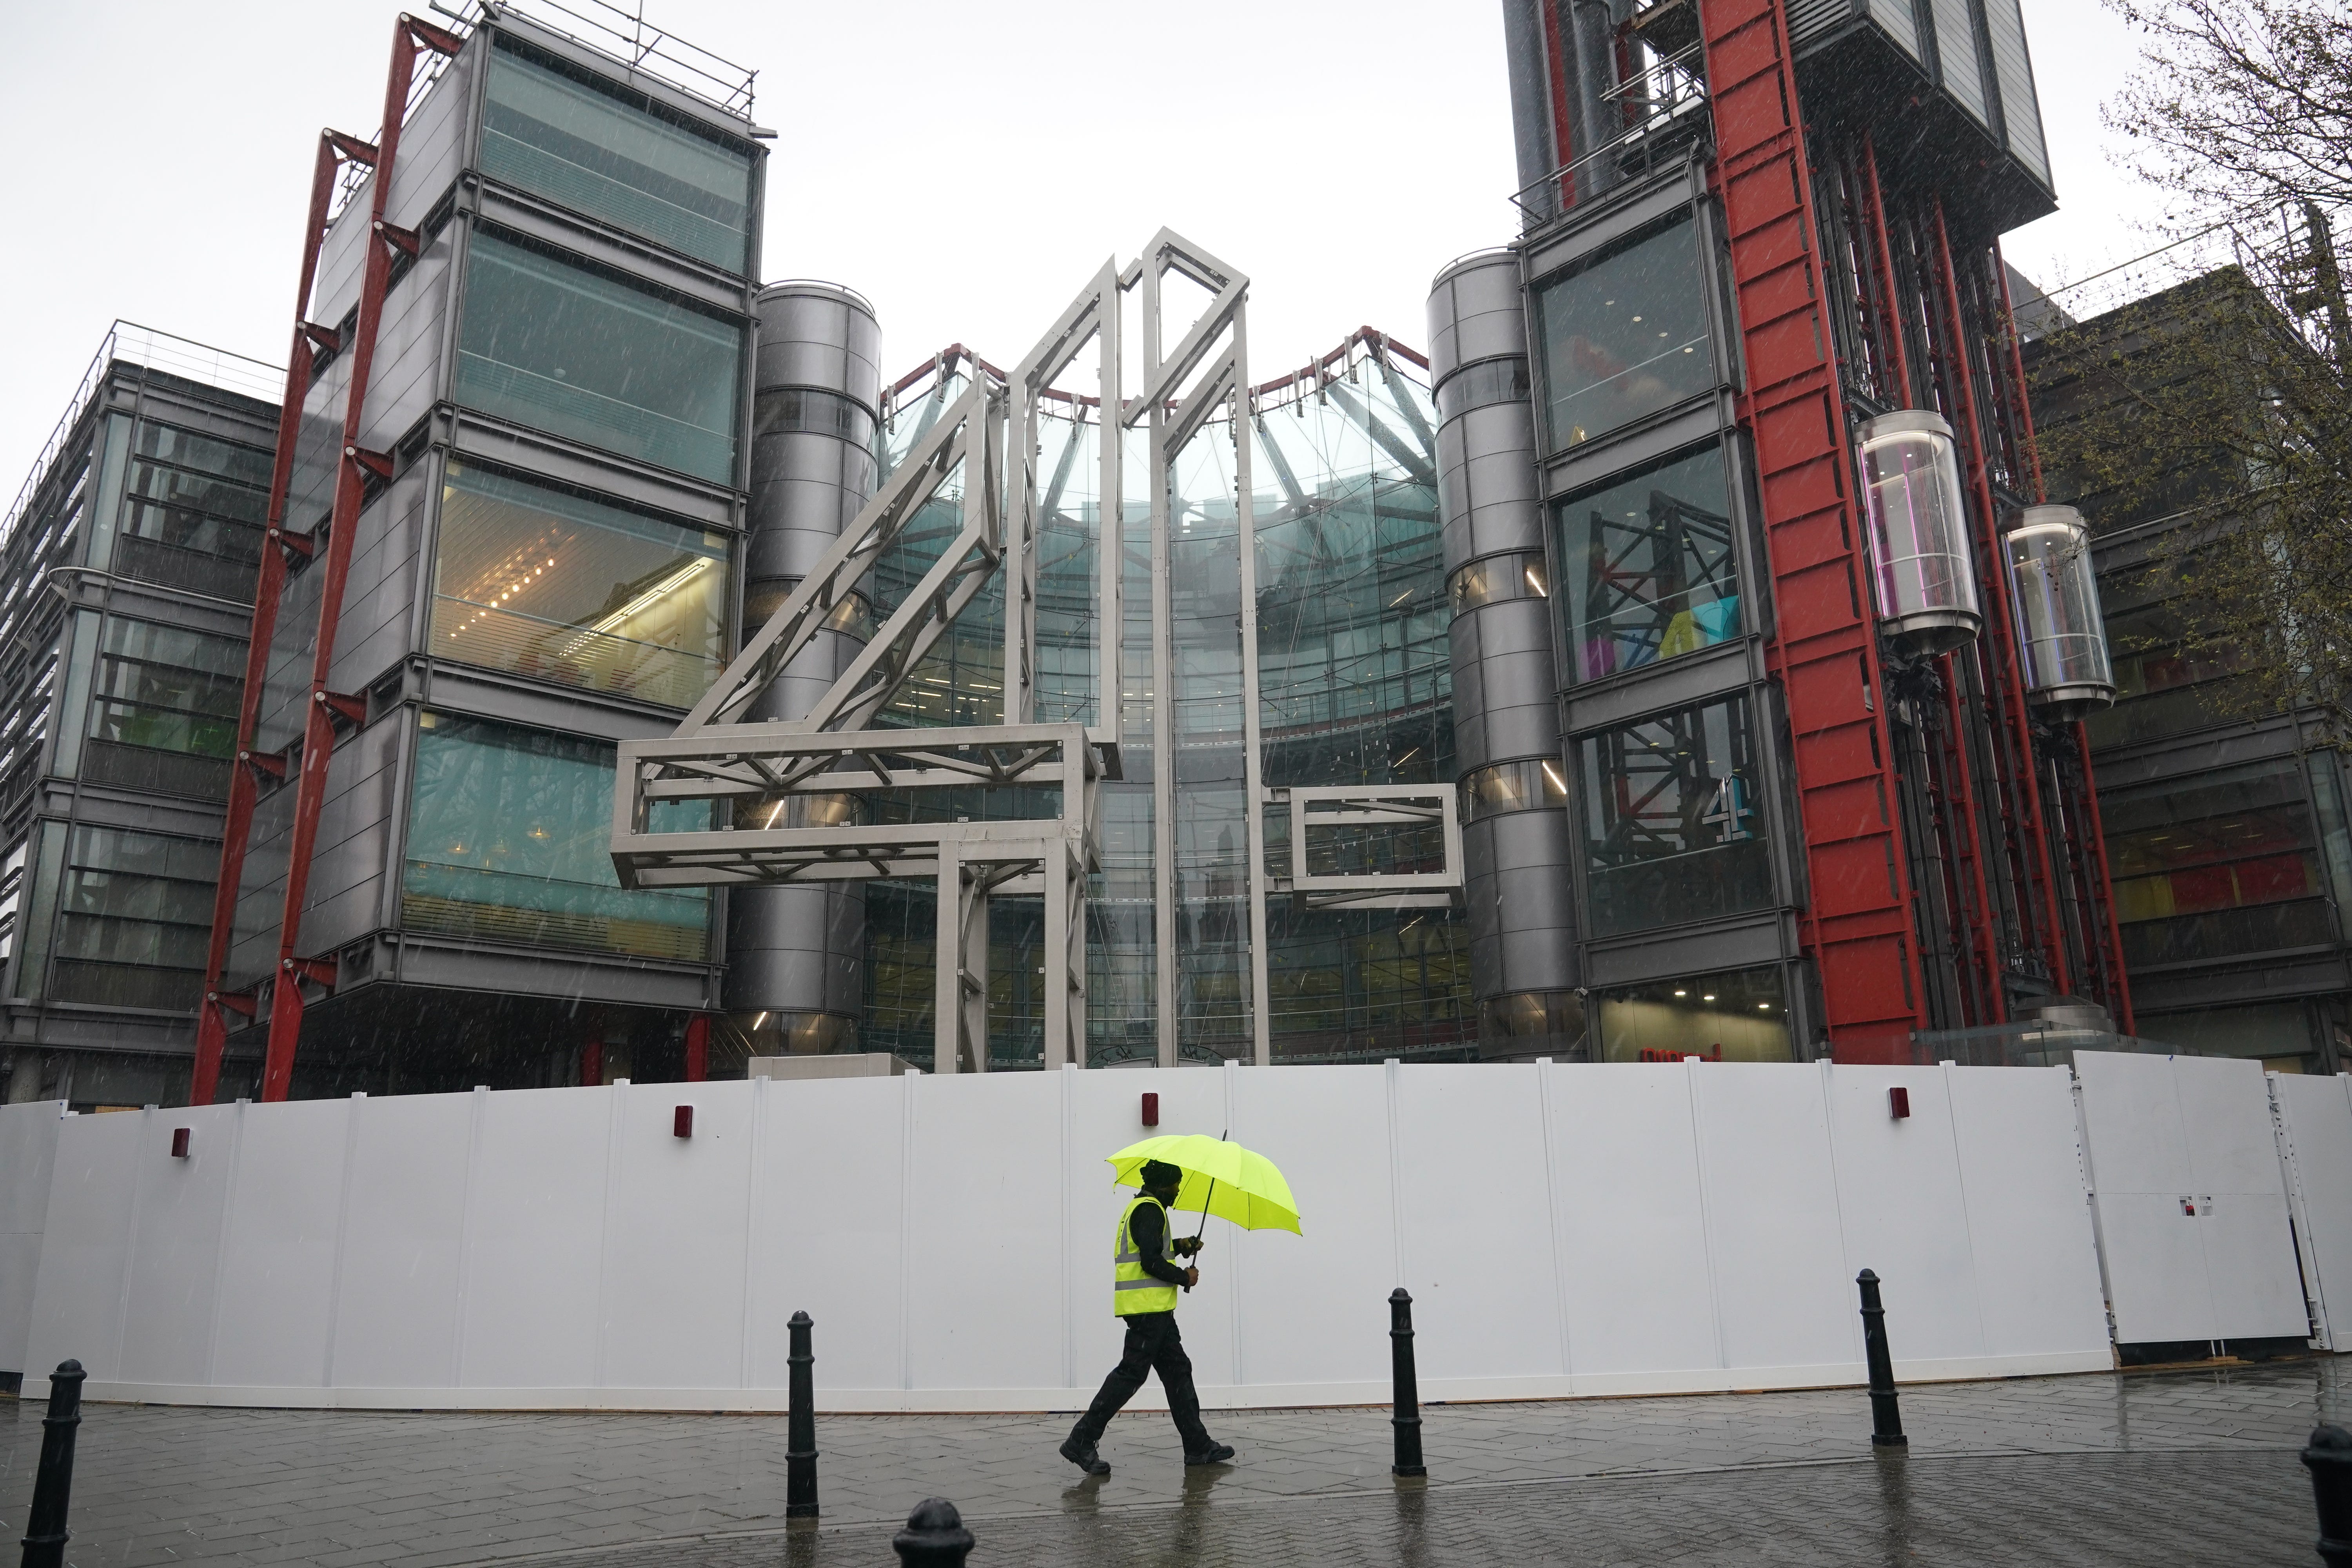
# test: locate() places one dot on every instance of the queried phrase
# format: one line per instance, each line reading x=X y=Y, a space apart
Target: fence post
x=1406 y=1417
x=1886 y=1418
x=934 y=1537
x=800 y=1436
x=45 y=1525
x=2329 y=1461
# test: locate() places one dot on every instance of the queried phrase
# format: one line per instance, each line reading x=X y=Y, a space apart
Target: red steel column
x=1858 y=923
x=244 y=784
x=351 y=470
x=697 y=1048
x=2000 y=633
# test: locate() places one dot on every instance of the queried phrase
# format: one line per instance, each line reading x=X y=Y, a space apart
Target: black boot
x=1214 y=1454
x=1080 y=1451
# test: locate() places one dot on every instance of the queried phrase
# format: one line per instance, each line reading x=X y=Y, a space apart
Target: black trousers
x=1152 y=1345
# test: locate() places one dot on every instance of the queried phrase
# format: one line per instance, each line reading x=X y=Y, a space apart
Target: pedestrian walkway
x=2160 y=1466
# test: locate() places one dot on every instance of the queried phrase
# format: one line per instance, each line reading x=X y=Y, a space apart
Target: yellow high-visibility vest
x=1133 y=1290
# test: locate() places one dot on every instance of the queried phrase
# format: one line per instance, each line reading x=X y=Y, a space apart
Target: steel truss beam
x=989 y=435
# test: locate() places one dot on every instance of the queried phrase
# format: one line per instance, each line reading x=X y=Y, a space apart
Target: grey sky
x=964 y=165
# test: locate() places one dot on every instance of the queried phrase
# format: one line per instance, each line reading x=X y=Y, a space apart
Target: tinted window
x=1647 y=570
x=1625 y=333
x=1674 y=820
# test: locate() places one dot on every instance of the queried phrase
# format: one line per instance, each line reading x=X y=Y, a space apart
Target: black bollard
x=1885 y=1419
x=44 y=1527
x=1407 y=1416
x=934 y=1537
x=800 y=1433
x=2329 y=1461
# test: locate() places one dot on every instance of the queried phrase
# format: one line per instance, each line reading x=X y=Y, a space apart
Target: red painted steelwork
x=2000 y=639
x=1858 y=924
x=1557 y=89
x=244 y=784
x=351 y=472
x=697 y=1048
x=592 y=1062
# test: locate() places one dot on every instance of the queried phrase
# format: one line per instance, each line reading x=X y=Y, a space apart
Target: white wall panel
x=1904 y=1212
x=673 y=1237
x=175 y=1236
x=1638 y=1295
x=28 y=1154
x=534 y=1270
x=2315 y=1117
x=1781 y=1282
x=86 y=1245
x=2029 y=1214
x=279 y=1248
x=403 y=1237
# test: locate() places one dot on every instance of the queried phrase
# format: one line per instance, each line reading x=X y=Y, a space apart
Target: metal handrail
x=1684 y=79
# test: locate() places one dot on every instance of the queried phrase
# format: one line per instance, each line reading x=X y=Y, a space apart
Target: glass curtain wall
x=193 y=513
x=1673 y=830
x=119 y=917
x=550 y=343
x=1355 y=688
x=1625 y=333
x=558 y=586
x=162 y=710
x=1647 y=567
x=2219 y=863
x=509 y=839
x=616 y=155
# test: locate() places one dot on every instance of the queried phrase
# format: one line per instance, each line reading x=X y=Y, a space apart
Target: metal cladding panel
x=354 y=855
x=815 y=335
x=406 y=378
x=378 y=627
x=1488 y=503
x=814 y=948
x=1476 y=311
x=1521 y=903
x=342 y=259
x=1956 y=54
x=261 y=891
x=434 y=143
x=549 y=973
x=2021 y=107
x=1812 y=19
x=1897 y=19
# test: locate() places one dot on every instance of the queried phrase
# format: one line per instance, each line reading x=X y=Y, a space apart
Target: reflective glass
x=135 y=914
x=1674 y=822
x=1647 y=567
x=509 y=834
x=561 y=587
x=611 y=154
x=1533 y=785
x=2219 y=863
x=555 y=346
x=1738 y=1017
x=163 y=712
x=1495 y=578
x=1625 y=333
x=195 y=510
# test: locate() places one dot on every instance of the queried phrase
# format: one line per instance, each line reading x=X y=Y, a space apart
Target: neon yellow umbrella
x=1220 y=1178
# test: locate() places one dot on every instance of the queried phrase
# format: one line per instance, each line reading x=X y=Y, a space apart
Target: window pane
x=1625 y=335
x=509 y=834
x=561 y=587
x=1673 y=831
x=1648 y=567
x=613 y=154
x=584 y=356
x=133 y=919
x=1740 y=1016
x=163 y=714
x=193 y=513
x=2221 y=863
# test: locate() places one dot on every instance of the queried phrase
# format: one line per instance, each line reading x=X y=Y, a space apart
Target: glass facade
x=1355 y=687
x=550 y=343
x=1625 y=333
x=1512 y=786
x=1673 y=830
x=119 y=918
x=1648 y=569
x=510 y=837
x=615 y=156
x=555 y=585
x=193 y=513
x=2219 y=863
x=162 y=709
x=1741 y=1016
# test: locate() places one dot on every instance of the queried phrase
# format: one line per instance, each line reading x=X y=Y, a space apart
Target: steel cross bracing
x=354 y=467
x=989 y=433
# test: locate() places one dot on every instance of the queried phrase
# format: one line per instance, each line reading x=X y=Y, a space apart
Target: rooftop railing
x=1663 y=105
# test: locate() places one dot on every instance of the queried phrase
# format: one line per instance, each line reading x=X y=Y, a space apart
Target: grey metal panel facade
x=1959 y=67
x=347 y=897
x=2021 y=107
x=1519 y=886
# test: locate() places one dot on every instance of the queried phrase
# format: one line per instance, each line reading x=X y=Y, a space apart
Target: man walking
x=1143 y=1297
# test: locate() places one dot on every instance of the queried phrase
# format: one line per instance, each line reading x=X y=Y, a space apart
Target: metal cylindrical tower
x=1516 y=836
x=795 y=956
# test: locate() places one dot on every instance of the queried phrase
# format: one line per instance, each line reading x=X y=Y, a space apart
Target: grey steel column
x=796 y=956
x=1523 y=967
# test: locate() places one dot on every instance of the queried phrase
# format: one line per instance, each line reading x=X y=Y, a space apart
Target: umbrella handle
x=1205 y=1201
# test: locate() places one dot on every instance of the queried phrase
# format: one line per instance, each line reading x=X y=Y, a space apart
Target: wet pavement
x=2140 y=1467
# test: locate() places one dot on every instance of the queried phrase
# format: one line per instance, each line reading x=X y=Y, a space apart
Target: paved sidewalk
x=2139 y=1468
